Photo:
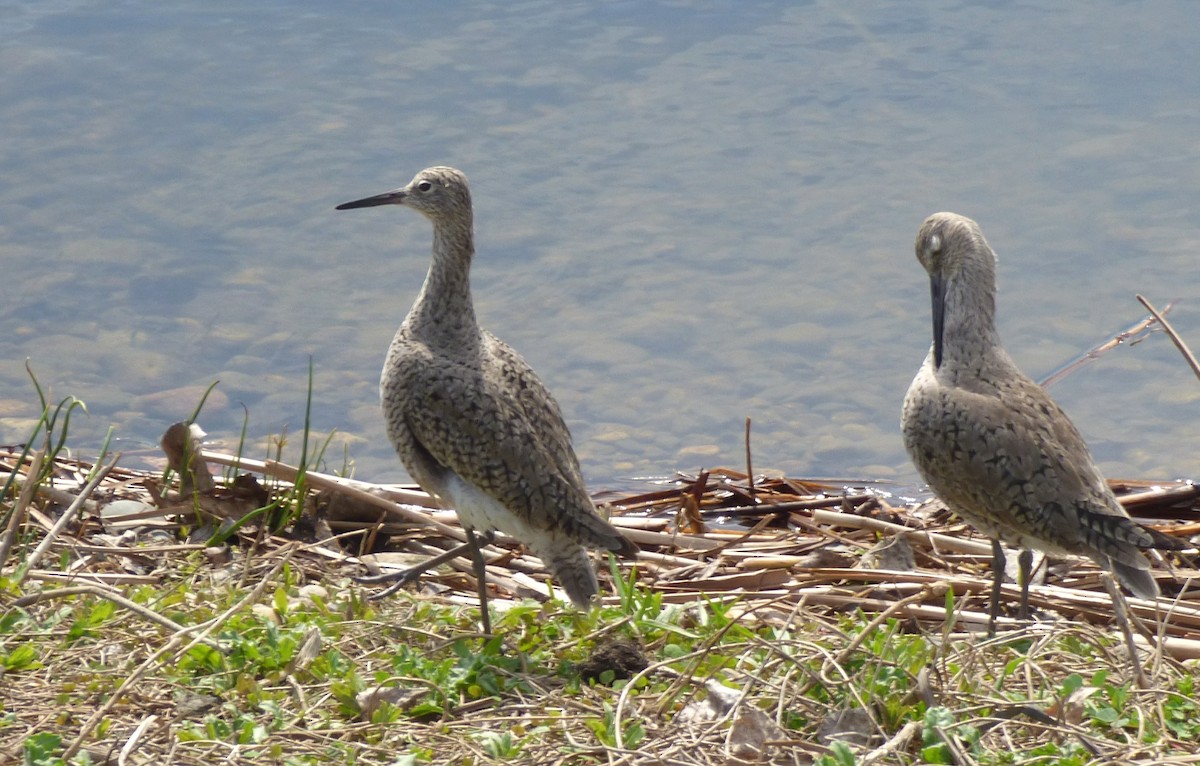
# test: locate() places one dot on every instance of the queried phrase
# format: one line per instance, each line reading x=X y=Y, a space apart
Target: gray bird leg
x=1025 y=560
x=997 y=579
x=480 y=577
x=410 y=575
x=1121 y=611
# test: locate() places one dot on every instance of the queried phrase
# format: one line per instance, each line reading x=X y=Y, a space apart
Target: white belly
x=482 y=512
x=565 y=558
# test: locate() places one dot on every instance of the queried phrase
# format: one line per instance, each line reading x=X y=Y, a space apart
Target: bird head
x=438 y=193
x=951 y=247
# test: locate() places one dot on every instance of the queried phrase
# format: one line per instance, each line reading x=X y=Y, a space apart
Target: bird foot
x=397 y=579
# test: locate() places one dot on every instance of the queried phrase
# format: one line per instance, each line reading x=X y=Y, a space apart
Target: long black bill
x=937 y=292
x=394 y=197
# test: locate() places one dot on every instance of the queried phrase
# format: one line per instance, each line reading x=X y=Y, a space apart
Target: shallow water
x=687 y=213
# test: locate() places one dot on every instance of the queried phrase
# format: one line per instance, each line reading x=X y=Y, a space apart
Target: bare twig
x=898 y=742
x=918 y=536
x=19 y=509
x=323 y=480
x=1094 y=353
x=336 y=484
x=938 y=590
x=749 y=465
x=132 y=743
x=109 y=594
x=1174 y=336
x=66 y=517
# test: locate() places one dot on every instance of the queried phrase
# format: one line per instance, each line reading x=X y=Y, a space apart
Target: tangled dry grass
x=775 y=621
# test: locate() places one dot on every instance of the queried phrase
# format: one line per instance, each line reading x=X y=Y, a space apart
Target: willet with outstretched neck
x=992 y=444
x=471 y=421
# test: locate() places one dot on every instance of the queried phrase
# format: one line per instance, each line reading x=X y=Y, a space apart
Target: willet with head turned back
x=992 y=444
x=471 y=421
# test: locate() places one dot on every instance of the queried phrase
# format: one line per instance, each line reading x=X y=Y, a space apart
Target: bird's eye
x=424 y=186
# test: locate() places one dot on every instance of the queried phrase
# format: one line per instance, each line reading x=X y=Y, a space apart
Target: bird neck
x=969 y=337
x=444 y=308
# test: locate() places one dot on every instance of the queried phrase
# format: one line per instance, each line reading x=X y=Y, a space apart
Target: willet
x=992 y=443
x=471 y=421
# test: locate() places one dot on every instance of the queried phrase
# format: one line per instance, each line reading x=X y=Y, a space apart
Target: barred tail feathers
x=1137 y=580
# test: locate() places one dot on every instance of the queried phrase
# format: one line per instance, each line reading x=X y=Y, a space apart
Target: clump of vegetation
x=249 y=644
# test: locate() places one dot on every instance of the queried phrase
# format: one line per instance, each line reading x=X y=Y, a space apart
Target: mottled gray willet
x=992 y=444
x=471 y=421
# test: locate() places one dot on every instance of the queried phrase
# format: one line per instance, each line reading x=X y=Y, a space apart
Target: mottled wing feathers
x=538 y=406
x=481 y=428
x=1015 y=444
x=546 y=421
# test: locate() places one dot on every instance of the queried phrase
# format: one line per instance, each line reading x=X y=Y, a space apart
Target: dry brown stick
x=66 y=517
x=1173 y=494
x=899 y=741
x=115 y=578
x=54 y=494
x=141 y=550
x=290 y=472
x=1174 y=336
x=945 y=542
x=1057 y=597
x=937 y=590
x=749 y=465
x=784 y=507
x=1176 y=647
x=18 y=511
x=204 y=628
x=132 y=742
x=333 y=483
